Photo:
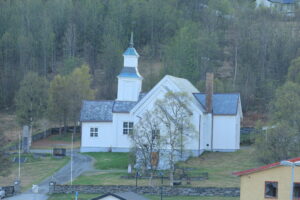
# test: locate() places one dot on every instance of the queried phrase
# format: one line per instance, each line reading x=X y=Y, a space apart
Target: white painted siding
x=104 y=139
x=238 y=131
x=121 y=141
x=265 y=3
x=129 y=89
x=224 y=133
x=207 y=123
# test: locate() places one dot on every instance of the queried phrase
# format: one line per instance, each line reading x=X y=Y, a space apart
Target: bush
x=277 y=144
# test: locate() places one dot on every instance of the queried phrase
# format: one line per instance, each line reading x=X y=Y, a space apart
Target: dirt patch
x=48 y=143
x=9 y=126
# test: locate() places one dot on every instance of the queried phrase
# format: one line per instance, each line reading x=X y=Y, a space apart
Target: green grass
x=151 y=197
x=34 y=170
x=219 y=167
x=110 y=160
x=100 y=178
x=192 y=198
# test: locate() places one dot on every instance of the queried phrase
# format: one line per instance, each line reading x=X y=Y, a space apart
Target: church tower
x=129 y=80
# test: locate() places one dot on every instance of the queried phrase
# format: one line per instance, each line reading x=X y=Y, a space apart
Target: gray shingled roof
x=102 y=110
x=123 y=106
x=96 y=111
x=223 y=104
x=283 y=1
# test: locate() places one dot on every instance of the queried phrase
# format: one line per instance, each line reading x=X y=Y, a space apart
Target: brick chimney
x=209 y=91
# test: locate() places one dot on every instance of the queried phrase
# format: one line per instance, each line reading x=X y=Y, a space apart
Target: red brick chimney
x=209 y=91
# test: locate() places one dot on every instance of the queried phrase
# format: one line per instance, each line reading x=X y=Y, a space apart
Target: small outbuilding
x=121 y=196
x=271 y=181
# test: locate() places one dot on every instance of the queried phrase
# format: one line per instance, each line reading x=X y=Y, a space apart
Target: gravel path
x=81 y=163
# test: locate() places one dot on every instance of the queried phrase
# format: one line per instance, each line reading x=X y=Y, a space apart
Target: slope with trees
x=249 y=49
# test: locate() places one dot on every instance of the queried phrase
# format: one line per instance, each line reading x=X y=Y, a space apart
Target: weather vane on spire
x=131 y=40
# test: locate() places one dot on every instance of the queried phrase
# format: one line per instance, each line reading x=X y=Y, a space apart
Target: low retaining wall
x=167 y=190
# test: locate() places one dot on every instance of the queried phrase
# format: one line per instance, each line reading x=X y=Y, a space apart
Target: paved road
x=81 y=163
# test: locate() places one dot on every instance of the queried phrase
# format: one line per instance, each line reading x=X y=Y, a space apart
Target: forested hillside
x=249 y=49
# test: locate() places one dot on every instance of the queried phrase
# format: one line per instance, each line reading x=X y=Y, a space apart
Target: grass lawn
x=219 y=167
x=34 y=170
x=110 y=160
x=90 y=196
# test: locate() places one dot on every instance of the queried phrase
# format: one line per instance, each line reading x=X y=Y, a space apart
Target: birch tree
x=175 y=116
x=147 y=142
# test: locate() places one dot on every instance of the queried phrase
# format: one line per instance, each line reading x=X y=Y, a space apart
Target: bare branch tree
x=147 y=142
x=175 y=116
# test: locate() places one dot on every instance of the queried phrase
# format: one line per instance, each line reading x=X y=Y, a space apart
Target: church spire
x=131 y=40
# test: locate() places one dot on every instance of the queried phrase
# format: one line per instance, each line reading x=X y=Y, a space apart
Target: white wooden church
x=105 y=124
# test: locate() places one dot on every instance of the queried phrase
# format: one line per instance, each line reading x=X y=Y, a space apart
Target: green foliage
x=282 y=141
x=294 y=71
x=31 y=98
x=191 y=52
x=69 y=65
x=188 y=38
x=279 y=143
x=58 y=100
x=66 y=94
x=5 y=166
x=79 y=88
x=287 y=104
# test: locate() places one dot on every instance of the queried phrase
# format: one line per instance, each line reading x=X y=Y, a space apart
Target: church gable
x=168 y=83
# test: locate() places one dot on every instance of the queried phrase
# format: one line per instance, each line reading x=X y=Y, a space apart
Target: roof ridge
x=217 y=93
x=98 y=100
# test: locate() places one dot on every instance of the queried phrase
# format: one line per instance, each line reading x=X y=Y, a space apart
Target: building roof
x=130 y=51
x=96 y=111
x=102 y=111
x=184 y=84
x=265 y=167
x=223 y=104
x=123 y=196
x=283 y=1
x=129 y=72
x=123 y=106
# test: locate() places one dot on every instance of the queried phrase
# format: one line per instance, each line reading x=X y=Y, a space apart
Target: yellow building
x=271 y=181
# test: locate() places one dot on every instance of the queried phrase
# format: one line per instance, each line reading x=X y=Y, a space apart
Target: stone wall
x=167 y=191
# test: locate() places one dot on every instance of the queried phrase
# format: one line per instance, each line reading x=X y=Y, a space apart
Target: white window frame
x=94 y=132
x=155 y=134
x=127 y=128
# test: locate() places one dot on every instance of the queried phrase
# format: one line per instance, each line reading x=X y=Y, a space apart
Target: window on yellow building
x=271 y=189
x=297 y=190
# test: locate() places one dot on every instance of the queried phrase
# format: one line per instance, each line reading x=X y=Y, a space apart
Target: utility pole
x=19 y=175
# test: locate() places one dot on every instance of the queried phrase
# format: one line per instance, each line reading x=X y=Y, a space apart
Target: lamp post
x=291 y=164
x=136 y=179
x=162 y=182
